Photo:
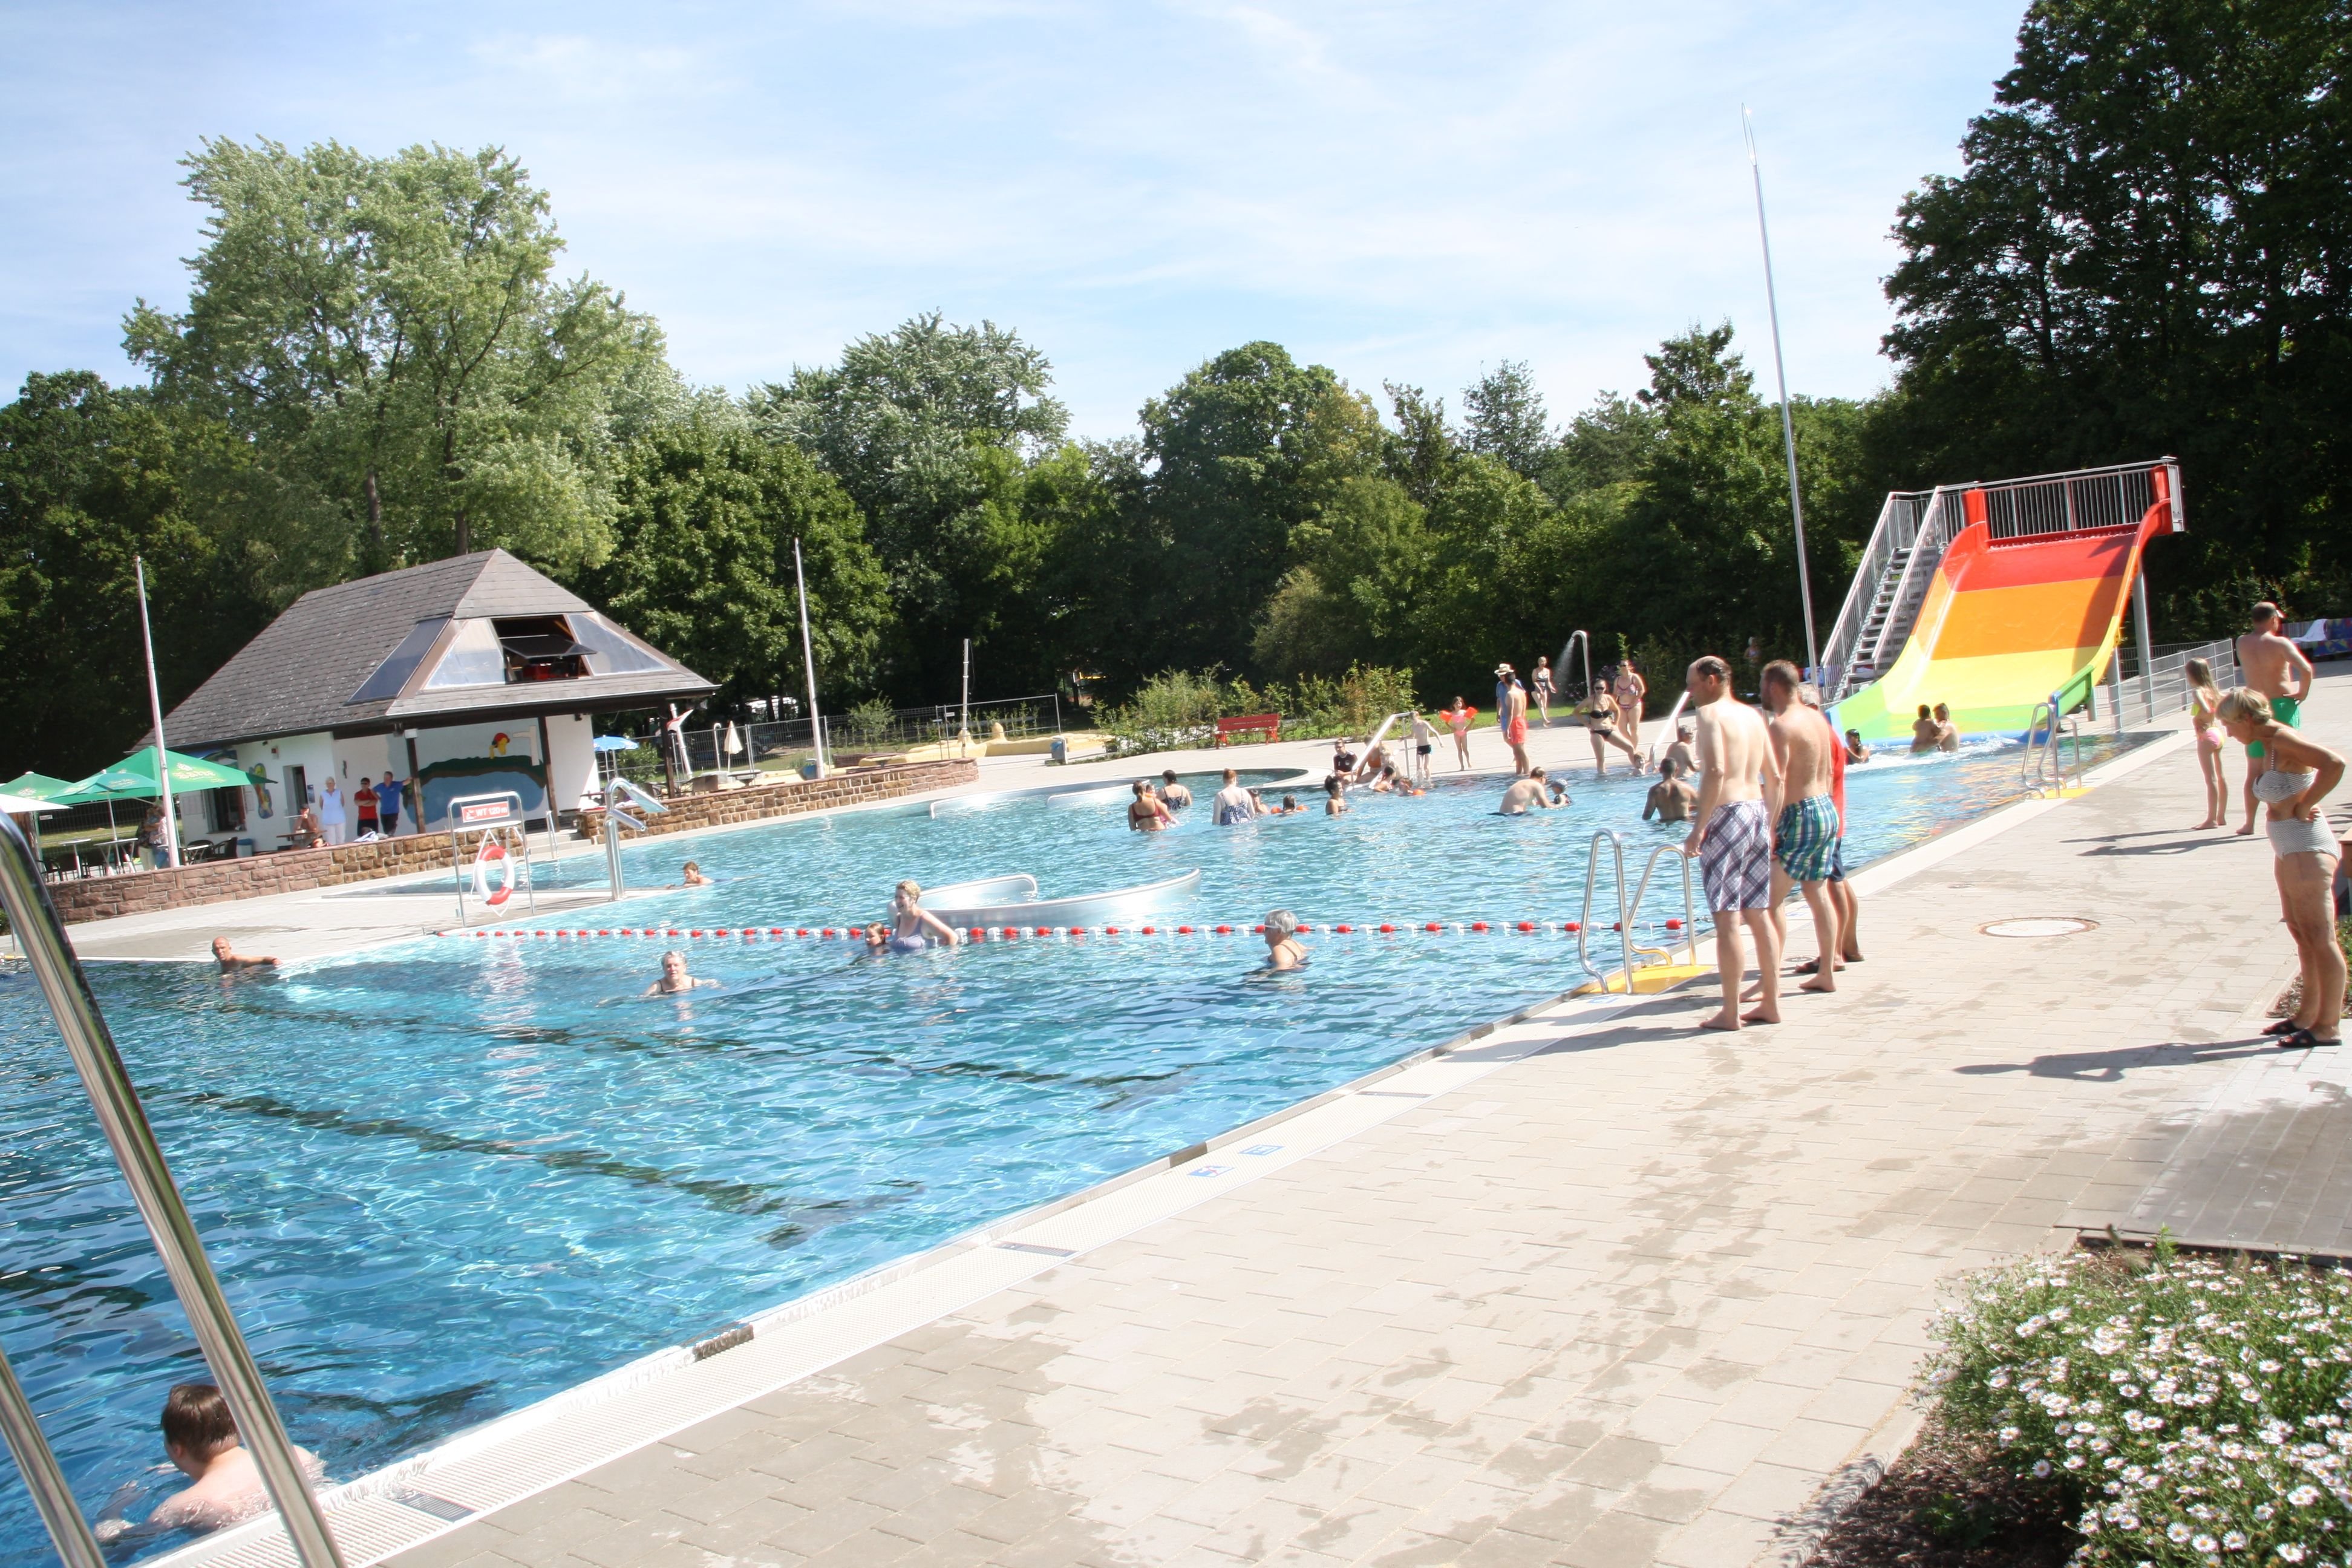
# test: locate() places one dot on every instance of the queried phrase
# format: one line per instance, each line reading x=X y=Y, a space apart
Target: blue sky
x=1403 y=192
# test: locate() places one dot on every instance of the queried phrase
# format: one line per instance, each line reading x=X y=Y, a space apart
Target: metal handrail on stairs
x=1627 y=948
x=115 y=1101
x=2043 y=768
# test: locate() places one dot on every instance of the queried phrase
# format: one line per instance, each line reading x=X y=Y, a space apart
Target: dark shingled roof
x=299 y=674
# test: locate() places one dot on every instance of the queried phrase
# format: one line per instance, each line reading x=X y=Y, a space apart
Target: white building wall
x=571 y=767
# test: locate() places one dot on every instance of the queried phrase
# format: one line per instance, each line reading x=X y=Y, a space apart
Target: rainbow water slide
x=2021 y=608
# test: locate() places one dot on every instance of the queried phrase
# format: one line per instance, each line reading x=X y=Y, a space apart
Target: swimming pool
x=446 y=1178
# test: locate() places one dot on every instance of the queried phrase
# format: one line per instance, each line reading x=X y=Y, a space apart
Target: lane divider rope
x=1016 y=934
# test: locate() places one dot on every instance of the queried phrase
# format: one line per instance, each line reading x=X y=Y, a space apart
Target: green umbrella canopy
x=37 y=787
x=134 y=778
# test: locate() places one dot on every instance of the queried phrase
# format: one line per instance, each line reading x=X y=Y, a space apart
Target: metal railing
x=1690 y=902
x=2041 y=506
x=2163 y=686
x=2042 y=769
x=1625 y=916
x=115 y=1101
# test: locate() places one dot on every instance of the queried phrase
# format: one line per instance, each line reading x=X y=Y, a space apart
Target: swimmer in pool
x=1146 y=813
x=908 y=924
x=1288 y=808
x=231 y=961
x=675 y=981
x=1282 y=949
x=692 y=877
x=1526 y=795
x=200 y=1437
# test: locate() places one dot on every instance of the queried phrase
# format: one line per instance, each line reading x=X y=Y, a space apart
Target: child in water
x=200 y=1437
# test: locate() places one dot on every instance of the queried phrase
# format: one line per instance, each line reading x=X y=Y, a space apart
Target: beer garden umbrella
x=134 y=778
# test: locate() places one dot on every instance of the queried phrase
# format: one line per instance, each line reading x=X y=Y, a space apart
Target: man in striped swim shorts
x=1739 y=782
x=1805 y=835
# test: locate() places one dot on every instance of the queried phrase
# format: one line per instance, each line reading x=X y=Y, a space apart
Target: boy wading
x=1739 y=790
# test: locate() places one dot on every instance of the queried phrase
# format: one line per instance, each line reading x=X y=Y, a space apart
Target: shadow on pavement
x=2109 y=1066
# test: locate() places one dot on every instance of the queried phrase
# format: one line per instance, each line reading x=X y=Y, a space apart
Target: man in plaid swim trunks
x=1805 y=835
x=1739 y=785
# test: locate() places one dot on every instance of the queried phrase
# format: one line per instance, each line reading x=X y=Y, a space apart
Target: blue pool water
x=447 y=1178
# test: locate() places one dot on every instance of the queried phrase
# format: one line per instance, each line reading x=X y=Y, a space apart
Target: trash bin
x=808 y=770
x=1061 y=748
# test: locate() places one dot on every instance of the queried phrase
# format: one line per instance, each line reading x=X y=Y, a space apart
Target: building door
x=298 y=790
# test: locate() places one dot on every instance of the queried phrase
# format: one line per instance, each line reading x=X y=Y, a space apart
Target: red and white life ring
x=493 y=853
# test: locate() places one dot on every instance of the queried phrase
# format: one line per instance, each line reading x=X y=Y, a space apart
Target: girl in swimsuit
x=2305 y=855
x=1459 y=720
x=2202 y=699
x=1633 y=691
x=1539 y=687
x=908 y=924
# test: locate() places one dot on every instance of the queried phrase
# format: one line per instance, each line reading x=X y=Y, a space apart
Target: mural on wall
x=443 y=781
x=260 y=777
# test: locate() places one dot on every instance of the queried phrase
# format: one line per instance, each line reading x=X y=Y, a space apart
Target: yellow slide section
x=2007 y=625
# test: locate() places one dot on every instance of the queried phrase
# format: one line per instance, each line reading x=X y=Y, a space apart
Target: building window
x=540 y=647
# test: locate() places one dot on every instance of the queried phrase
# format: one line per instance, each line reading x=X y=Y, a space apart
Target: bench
x=1266 y=724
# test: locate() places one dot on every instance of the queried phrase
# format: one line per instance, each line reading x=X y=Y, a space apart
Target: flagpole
x=808 y=659
x=155 y=710
x=1788 y=429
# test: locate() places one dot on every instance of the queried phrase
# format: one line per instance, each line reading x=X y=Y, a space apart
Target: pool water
x=449 y=1177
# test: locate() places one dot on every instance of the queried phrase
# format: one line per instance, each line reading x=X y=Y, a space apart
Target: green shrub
x=1181 y=708
x=2187 y=1411
x=868 y=722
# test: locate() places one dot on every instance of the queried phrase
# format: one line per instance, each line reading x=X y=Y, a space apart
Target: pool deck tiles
x=1615 y=1292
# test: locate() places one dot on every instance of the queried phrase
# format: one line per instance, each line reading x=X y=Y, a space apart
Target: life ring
x=493 y=853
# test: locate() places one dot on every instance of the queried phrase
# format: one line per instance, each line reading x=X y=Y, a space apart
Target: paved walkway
x=1628 y=1294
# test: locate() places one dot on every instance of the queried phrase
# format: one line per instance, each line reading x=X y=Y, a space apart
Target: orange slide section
x=2008 y=624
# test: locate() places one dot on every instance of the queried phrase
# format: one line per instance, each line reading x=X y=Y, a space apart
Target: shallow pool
x=447 y=1178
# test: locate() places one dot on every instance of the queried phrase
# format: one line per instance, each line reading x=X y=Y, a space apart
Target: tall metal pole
x=2147 y=645
x=808 y=659
x=155 y=710
x=123 y=1119
x=1788 y=427
x=965 y=723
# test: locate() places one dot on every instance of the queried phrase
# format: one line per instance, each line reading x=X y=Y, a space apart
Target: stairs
x=1890 y=583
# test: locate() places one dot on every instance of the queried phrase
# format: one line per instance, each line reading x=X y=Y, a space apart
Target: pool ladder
x=1628 y=949
x=2042 y=769
x=42 y=937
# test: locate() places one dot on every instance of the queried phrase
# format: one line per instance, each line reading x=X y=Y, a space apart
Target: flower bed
x=2184 y=1410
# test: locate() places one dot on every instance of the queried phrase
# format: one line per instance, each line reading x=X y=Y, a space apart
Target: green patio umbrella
x=37 y=786
x=134 y=778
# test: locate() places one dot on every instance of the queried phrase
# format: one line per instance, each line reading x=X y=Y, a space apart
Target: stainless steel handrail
x=1690 y=903
x=1625 y=916
x=115 y=1101
x=52 y=1494
x=2042 y=767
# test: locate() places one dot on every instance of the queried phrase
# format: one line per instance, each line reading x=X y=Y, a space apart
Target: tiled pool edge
x=516 y=1456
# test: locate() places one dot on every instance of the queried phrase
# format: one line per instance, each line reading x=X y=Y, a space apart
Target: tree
x=91 y=476
x=1235 y=458
x=702 y=568
x=388 y=334
x=1502 y=418
x=2146 y=253
x=926 y=427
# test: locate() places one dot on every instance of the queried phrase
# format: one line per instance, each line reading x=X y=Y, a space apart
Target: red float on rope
x=1477 y=925
x=1674 y=924
x=1224 y=931
x=1184 y=930
x=1343 y=931
x=1433 y=926
x=1110 y=930
x=1527 y=925
x=1387 y=930
x=1149 y=931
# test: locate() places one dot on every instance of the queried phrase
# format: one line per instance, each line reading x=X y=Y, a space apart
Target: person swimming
x=1288 y=808
x=230 y=960
x=909 y=922
x=1282 y=948
x=692 y=877
x=675 y=981
x=200 y=1437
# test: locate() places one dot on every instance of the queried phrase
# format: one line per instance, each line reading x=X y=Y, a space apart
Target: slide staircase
x=1994 y=598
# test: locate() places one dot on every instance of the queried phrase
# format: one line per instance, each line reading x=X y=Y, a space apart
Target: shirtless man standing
x=1805 y=835
x=1739 y=793
x=2275 y=666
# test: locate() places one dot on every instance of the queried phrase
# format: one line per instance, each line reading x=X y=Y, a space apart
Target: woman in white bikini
x=2203 y=698
x=1632 y=693
x=2304 y=853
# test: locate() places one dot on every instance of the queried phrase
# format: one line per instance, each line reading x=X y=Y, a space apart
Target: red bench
x=1266 y=724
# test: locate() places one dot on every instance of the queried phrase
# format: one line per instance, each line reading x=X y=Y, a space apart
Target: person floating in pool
x=200 y=1437
x=1290 y=806
x=1526 y=795
x=231 y=961
x=692 y=877
x=911 y=928
x=675 y=981
x=1282 y=949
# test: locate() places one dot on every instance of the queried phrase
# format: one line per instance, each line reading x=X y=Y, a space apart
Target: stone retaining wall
x=725 y=807
x=295 y=870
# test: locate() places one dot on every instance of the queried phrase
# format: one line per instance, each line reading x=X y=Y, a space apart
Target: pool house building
x=470 y=675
